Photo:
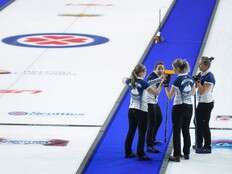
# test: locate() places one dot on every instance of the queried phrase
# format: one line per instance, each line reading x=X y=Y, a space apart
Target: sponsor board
x=12 y=91
x=4 y=71
x=89 y=4
x=224 y=118
x=80 y=15
x=44 y=142
x=222 y=143
x=45 y=114
x=45 y=73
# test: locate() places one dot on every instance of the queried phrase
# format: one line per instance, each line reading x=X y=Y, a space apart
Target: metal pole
x=195 y=118
x=159 y=19
x=166 y=122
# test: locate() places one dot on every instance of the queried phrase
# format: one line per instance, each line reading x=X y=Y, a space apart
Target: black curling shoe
x=144 y=158
x=152 y=149
x=186 y=156
x=174 y=158
x=130 y=155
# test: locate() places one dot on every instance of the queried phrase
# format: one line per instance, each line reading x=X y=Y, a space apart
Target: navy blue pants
x=203 y=113
x=137 y=119
x=154 y=122
x=181 y=117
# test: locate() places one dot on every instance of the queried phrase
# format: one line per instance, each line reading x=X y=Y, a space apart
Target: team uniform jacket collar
x=204 y=73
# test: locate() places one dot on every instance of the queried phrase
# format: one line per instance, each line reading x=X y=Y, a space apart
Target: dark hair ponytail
x=207 y=60
x=181 y=65
x=134 y=75
x=133 y=79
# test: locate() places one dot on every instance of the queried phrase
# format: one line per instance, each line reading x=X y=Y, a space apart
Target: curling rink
x=63 y=103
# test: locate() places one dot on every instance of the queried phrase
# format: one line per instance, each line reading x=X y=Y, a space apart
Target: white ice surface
x=93 y=91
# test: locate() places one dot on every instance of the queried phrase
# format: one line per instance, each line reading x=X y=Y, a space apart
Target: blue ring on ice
x=13 y=40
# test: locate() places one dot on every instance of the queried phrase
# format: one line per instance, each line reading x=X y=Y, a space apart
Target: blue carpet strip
x=5 y=3
x=184 y=32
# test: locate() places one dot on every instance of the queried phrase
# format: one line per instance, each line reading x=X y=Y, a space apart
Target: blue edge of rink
x=184 y=32
x=4 y=3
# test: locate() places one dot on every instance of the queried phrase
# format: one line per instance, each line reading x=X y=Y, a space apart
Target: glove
x=197 y=77
x=165 y=84
x=167 y=81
